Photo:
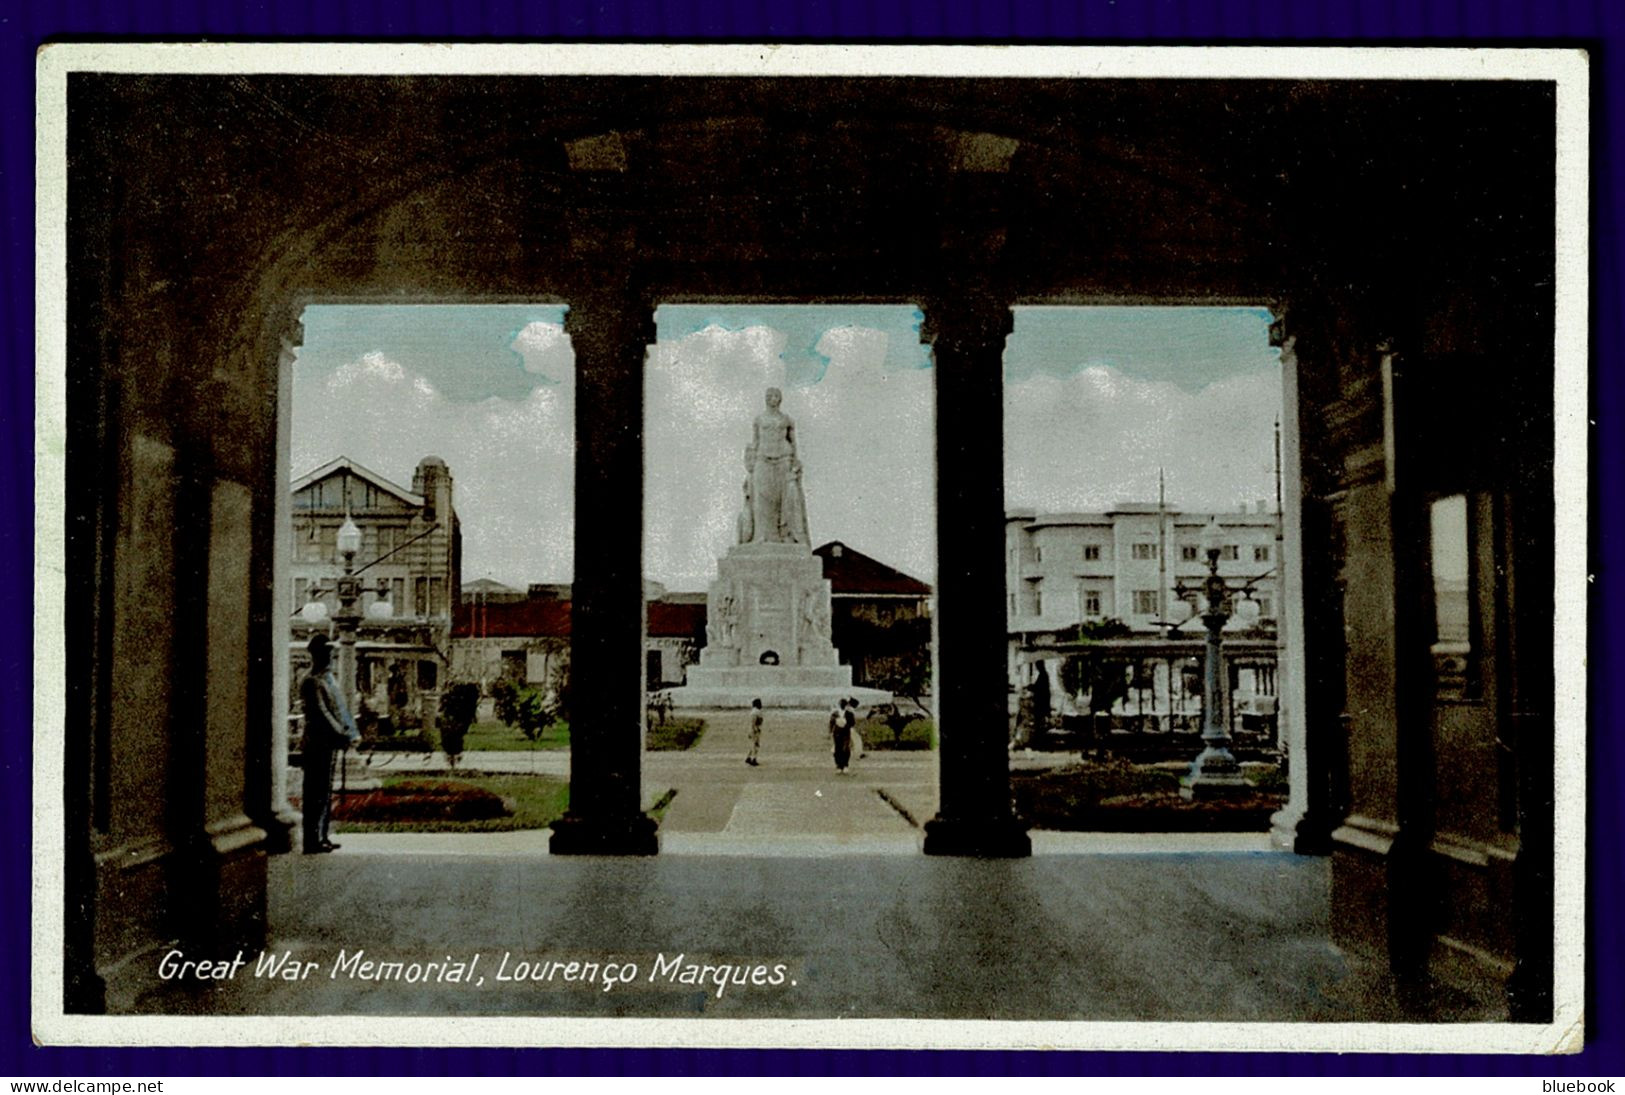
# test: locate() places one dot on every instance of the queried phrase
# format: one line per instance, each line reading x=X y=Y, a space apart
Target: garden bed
x=1118 y=797
x=462 y=804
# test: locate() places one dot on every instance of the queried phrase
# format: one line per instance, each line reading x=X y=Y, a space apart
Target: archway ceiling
x=877 y=189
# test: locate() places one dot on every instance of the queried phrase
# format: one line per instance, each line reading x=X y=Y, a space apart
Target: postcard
x=811 y=546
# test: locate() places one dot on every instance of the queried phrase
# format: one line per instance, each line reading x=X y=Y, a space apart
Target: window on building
x=1038 y=598
x=420 y=597
x=1145 y=551
x=307 y=545
x=437 y=597
x=301 y=590
x=1145 y=602
x=1089 y=603
x=1038 y=553
x=1190 y=553
x=1266 y=607
x=1011 y=606
x=1230 y=552
x=1261 y=553
x=428 y=675
x=397 y=594
x=1091 y=552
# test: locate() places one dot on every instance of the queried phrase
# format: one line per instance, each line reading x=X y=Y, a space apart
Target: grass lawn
x=500 y=737
x=532 y=802
x=677 y=733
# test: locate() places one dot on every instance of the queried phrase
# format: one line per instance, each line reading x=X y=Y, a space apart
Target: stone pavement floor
x=1183 y=936
x=790 y=864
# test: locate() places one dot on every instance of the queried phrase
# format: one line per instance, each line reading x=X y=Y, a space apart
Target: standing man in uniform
x=329 y=730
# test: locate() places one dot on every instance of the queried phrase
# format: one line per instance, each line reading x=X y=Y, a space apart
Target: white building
x=1062 y=569
x=1130 y=564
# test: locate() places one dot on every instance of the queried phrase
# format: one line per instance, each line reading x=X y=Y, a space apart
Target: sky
x=1096 y=401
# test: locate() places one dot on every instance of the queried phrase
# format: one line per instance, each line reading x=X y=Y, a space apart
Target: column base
x=282 y=830
x=1003 y=838
x=574 y=834
x=1304 y=832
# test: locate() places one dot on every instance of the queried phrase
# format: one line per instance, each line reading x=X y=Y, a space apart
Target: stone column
x=1309 y=725
x=974 y=816
x=280 y=819
x=610 y=332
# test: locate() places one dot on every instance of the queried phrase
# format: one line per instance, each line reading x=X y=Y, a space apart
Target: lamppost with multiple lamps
x=1215 y=772
x=347 y=623
x=347 y=620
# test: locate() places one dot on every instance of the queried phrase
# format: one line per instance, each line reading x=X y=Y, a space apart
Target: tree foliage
x=459 y=706
x=531 y=710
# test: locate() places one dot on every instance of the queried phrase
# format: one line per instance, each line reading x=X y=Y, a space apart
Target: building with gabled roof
x=880 y=617
x=409 y=566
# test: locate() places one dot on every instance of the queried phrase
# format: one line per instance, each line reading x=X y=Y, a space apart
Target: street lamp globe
x=1212 y=538
x=313 y=611
x=1247 y=611
x=349 y=538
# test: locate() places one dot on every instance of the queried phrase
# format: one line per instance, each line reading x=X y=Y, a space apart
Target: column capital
x=973 y=318
x=602 y=313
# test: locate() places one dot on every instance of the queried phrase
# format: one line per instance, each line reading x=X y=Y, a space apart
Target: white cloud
x=1097 y=438
x=864 y=437
x=546 y=351
x=512 y=461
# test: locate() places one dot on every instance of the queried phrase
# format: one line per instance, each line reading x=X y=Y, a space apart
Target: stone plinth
x=768 y=635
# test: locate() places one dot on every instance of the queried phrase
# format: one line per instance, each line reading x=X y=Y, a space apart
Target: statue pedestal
x=768 y=635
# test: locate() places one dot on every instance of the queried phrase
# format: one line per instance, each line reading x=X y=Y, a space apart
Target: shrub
x=505 y=700
x=458 y=706
x=884 y=734
x=673 y=734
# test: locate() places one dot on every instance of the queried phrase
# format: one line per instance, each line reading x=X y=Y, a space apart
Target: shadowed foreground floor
x=1232 y=936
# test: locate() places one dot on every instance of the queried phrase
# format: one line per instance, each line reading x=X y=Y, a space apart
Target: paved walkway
x=795 y=792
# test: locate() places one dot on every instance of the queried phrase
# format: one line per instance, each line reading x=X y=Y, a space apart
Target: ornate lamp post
x=1215 y=771
x=347 y=619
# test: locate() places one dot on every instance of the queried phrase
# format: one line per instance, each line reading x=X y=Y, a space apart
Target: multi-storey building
x=1128 y=563
x=1131 y=564
x=408 y=564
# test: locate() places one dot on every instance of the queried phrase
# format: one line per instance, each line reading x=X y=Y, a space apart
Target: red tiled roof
x=534 y=618
x=542 y=618
x=853 y=573
x=680 y=620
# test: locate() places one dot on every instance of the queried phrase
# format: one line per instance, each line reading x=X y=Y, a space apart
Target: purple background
x=1598 y=25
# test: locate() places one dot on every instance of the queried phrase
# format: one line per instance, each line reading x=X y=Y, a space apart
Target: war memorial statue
x=768 y=612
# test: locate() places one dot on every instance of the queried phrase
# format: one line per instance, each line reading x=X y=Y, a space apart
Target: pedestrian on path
x=841 y=721
x=755 y=731
x=859 y=750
